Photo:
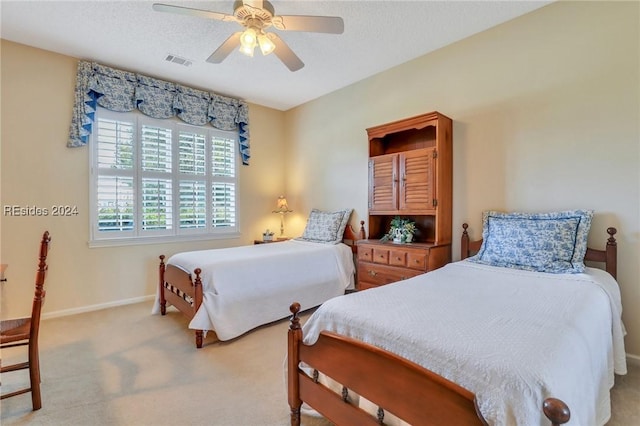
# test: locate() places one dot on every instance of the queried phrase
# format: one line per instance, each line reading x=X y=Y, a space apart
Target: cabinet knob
x=397 y=258
x=372 y=273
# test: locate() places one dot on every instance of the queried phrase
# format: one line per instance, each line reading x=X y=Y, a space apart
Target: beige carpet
x=106 y=368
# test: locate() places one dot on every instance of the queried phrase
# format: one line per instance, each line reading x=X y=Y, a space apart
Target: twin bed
x=471 y=343
x=227 y=292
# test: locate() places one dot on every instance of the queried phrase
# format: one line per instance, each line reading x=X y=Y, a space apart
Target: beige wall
x=38 y=170
x=546 y=112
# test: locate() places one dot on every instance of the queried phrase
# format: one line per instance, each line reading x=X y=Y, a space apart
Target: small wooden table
x=279 y=240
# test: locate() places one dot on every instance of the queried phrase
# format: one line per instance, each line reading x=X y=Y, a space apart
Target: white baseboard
x=91 y=308
x=633 y=360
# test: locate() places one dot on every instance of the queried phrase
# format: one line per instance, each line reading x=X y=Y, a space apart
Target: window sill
x=164 y=239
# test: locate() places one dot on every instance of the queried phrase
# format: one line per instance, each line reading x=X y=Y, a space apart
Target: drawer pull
x=417 y=261
x=397 y=258
x=382 y=256
x=372 y=273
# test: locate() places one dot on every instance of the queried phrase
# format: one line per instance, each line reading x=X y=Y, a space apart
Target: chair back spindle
x=24 y=332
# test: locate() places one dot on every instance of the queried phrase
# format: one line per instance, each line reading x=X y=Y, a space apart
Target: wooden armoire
x=411 y=176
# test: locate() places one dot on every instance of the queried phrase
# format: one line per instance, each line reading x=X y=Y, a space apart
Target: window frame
x=138 y=235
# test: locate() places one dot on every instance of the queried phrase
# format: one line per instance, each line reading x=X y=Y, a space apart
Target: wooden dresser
x=382 y=263
x=411 y=176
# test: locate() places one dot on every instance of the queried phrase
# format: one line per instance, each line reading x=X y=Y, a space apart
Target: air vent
x=178 y=60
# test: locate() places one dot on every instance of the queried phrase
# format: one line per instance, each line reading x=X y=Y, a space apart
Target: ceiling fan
x=256 y=16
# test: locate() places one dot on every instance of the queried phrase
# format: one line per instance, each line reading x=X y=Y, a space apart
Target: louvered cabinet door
x=383 y=183
x=417 y=181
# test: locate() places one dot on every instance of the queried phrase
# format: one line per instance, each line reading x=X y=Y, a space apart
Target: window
x=160 y=180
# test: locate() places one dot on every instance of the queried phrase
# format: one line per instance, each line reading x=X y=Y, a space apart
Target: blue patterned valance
x=124 y=91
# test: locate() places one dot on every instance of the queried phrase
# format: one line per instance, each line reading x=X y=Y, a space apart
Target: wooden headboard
x=350 y=237
x=608 y=256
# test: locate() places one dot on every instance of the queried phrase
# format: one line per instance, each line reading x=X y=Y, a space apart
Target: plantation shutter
x=193 y=184
x=114 y=196
x=156 y=179
x=223 y=190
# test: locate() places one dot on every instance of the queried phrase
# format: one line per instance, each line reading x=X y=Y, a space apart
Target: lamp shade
x=282 y=209
x=282 y=206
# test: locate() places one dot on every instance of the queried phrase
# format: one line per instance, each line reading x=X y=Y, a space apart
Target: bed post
x=611 y=253
x=163 y=301
x=464 y=242
x=556 y=411
x=197 y=292
x=362 y=234
x=293 y=360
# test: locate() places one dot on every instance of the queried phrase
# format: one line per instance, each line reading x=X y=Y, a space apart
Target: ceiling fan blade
x=314 y=24
x=285 y=54
x=225 y=48
x=159 y=7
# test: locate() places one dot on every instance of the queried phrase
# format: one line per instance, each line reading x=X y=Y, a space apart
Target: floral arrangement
x=267 y=235
x=401 y=230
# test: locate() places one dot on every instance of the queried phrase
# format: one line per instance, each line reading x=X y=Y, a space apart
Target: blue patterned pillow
x=545 y=242
x=326 y=227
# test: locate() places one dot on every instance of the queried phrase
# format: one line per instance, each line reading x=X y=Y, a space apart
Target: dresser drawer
x=398 y=257
x=417 y=260
x=364 y=285
x=381 y=255
x=374 y=274
x=365 y=254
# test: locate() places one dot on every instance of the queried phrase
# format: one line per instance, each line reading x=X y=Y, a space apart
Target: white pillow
x=326 y=227
x=343 y=224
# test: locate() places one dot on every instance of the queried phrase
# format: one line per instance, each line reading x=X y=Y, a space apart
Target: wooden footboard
x=180 y=289
x=396 y=385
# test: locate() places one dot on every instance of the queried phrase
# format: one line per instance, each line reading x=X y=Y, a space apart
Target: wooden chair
x=24 y=332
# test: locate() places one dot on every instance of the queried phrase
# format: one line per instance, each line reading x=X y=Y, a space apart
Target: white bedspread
x=511 y=337
x=248 y=286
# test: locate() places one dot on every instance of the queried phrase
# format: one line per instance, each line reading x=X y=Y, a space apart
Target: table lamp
x=282 y=209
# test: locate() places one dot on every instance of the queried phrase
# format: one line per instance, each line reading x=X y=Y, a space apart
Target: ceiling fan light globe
x=266 y=45
x=248 y=37
x=247 y=50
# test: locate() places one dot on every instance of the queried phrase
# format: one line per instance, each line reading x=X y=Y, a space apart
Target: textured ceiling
x=130 y=35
